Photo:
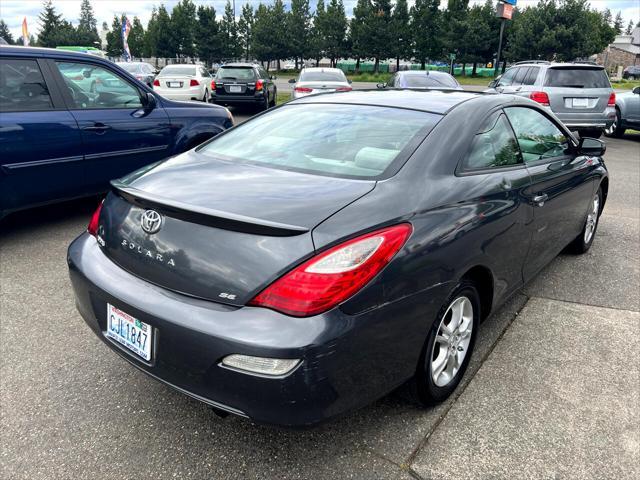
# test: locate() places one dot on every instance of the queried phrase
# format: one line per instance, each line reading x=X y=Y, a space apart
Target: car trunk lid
x=227 y=229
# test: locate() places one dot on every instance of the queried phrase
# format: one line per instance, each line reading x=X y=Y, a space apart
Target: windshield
x=353 y=141
x=236 y=73
x=577 y=78
x=423 y=81
x=178 y=71
x=323 y=77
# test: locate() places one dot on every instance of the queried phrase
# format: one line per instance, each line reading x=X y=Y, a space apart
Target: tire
x=264 y=105
x=427 y=388
x=205 y=99
x=590 y=132
x=582 y=243
x=274 y=99
x=616 y=129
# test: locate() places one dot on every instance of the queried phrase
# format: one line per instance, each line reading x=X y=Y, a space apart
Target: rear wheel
x=590 y=132
x=582 y=243
x=205 y=99
x=447 y=350
x=273 y=100
x=616 y=129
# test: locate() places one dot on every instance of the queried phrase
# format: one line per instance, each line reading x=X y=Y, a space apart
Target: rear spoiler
x=205 y=216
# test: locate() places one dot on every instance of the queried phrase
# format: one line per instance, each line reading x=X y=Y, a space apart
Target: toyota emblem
x=151 y=221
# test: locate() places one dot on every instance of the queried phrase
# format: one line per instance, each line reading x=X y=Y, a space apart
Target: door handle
x=540 y=199
x=99 y=128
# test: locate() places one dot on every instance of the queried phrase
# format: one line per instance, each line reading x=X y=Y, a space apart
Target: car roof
x=239 y=64
x=182 y=65
x=47 y=52
x=434 y=101
x=534 y=63
x=321 y=69
x=423 y=72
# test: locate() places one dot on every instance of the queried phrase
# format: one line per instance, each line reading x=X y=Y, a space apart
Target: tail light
x=343 y=89
x=213 y=85
x=612 y=100
x=194 y=83
x=259 y=85
x=156 y=83
x=541 y=97
x=93 y=223
x=303 y=89
x=333 y=276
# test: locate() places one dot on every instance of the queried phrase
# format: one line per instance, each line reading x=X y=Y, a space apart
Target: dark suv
x=71 y=122
x=244 y=84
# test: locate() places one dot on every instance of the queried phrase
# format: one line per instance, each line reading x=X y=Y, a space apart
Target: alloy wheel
x=592 y=220
x=452 y=341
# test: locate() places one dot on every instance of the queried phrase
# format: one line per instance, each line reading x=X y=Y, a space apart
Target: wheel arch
x=482 y=277
x=604 y=185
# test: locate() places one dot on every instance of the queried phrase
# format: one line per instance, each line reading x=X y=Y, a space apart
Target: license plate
x=235 y=88
x=174 y=84
x=129 y=332
x=581 y=102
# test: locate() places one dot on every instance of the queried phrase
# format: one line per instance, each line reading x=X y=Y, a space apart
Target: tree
x=261 y=44
x=245 y=29
x=206 y=37
x=401 y=41
x=455 y=28
x=5 y=34
x=334 y=30
x=50 y=22
x=618 y=23
x=380 y=29
x=299 y=28
x=317 y=44
x=136 y=38
x=229 y=34
x=87 y=31
x=426 y=28
x=629 y=28
x=115 y=47
x=163 y=45
x=358 y=31
x=281 y=37
x=183 y=27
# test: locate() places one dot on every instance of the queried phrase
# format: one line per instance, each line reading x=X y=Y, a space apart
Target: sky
x=13 y=11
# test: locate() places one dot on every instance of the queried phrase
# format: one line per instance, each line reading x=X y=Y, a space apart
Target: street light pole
x=497 y=65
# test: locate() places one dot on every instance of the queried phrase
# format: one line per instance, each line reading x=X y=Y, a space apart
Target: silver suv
x=580 y=94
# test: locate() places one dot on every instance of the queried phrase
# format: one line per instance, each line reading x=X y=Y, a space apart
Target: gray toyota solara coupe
x=316 y=257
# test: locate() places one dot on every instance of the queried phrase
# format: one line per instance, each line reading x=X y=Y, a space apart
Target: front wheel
x=582 y=243
x=447 y=350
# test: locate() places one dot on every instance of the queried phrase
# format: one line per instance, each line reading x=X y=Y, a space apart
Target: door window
x=531 y=77
x=507 y=78
x=538 y=137
x=22 y=87
x=91 y=86
x=520 y=75
x=493 y=146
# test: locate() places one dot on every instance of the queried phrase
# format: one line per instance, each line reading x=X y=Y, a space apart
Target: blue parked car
x=70 y=122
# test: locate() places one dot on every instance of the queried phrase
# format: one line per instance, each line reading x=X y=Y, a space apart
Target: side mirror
x=149 y=101
x=292 y=80
x=636 y=90
x=591 y=147
x=381 y=85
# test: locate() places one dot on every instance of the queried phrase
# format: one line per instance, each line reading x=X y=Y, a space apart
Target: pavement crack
x=583 y=303
x=402 y=466
x=412 y=456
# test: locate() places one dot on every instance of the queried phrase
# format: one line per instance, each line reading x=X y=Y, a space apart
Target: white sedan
x=184 y=82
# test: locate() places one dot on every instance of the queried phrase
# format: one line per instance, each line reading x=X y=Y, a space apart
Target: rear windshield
x=351 y=141
x=323 y=77
x=178 y=71
x=577 y=78
x=236 y=73
x=421 y=81
x=131 y=67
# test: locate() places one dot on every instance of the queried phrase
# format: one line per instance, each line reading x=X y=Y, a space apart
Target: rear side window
x=493 y=146
x=350 y=141
x=22 y=87
x=531 y=77
x=236 y=73
x=577 y=78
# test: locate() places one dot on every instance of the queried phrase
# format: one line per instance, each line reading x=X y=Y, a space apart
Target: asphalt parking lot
x=552 y=392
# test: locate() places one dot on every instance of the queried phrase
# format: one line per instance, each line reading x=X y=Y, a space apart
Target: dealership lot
x=552 y=391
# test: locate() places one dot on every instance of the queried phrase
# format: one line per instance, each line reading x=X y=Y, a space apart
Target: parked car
x=627 y=113
x=314 y=258
x=421 y=79
x=289 y=65
x=145 y=72
x=632 y=72
x=319 y=80
x=580 y=94
x=184 y=82
x=60 y=138
x=244 y=84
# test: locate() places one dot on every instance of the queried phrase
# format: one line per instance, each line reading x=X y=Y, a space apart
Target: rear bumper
x=348 y=361
x=195 y=93
x=238 y=99
x=588 y=120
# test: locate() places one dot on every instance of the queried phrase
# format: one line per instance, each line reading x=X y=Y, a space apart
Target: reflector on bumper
x=260 y=365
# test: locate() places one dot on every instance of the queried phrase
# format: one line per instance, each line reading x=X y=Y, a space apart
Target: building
x=624 y=51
